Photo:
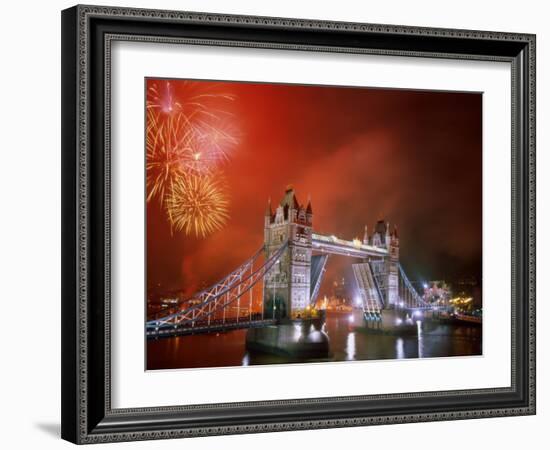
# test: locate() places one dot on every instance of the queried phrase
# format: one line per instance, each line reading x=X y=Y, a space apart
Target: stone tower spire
x=366 y=235
x=309 y=210
x=394 y=232
x=268 y=214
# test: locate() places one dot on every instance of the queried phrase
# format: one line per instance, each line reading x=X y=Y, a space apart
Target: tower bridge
x=290 y=265
x=332 y=245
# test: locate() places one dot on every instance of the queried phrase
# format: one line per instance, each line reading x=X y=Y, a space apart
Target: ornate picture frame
x=87 y=35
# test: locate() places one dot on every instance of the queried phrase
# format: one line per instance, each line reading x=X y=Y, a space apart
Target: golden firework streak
x=167 y=143
x=197 y=205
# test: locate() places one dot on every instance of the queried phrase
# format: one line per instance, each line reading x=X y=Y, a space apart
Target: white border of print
x=132 y=386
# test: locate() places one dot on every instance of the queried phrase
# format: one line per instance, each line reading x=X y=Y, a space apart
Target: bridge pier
x=300 y=339
x=391 y=321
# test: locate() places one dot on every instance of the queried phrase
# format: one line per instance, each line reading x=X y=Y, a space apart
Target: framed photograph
x=280 y=224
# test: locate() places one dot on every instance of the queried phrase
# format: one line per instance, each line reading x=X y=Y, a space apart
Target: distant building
x=339 y=289
x=469 y=286
x=437 y=293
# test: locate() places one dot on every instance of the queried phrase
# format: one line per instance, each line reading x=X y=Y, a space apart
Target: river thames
x=345 y=342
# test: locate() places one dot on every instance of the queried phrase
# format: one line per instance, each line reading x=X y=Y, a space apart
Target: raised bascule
x=290 y=265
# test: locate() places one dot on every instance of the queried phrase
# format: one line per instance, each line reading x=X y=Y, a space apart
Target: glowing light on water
x=297 y=331
x=420 y=339
x=399 y=348
x=350 y=347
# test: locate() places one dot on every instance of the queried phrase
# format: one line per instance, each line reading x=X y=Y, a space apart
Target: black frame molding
x=87 y=33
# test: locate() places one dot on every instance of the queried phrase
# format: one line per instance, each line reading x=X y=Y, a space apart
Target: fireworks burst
x=161 y=97
x=175 y=148
x=217 y=141
x=198 y=102
x=197 y=205
x=167 y=142
x=189 y=137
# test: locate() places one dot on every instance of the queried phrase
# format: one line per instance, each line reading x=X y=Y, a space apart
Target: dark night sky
x=410 y=157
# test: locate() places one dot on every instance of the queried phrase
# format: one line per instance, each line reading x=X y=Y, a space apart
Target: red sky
x=410 y=157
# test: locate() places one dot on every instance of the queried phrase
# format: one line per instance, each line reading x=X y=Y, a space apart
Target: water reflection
x=420 y=337
x=399 y=349
x=350 y=347
x=229 y=349
x=297 y=332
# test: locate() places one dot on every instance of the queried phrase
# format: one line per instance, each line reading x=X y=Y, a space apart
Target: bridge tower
x=392 y=267
x=386 y=270
x=287 y=285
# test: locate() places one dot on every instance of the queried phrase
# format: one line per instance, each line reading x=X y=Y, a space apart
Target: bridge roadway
x=333 y=245
x=204 y=327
